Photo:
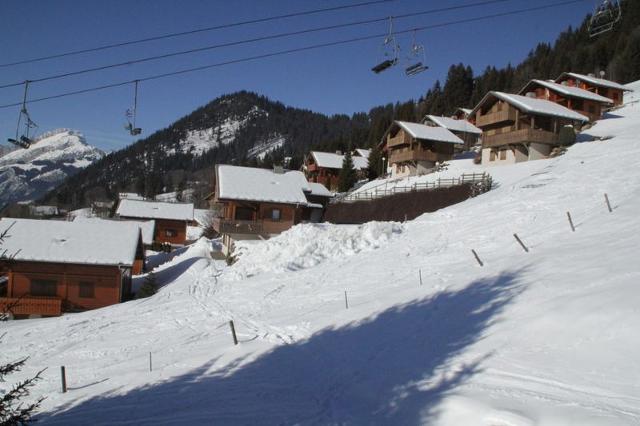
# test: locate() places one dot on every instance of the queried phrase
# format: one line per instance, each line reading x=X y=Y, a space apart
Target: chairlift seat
x=136 y=131
x=415 y=69
x=23 y=142
x=382 y=66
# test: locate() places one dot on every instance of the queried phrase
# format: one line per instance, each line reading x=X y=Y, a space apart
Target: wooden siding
x=493 y=118
x=261 y=221
x=522 y=136
x=24 y=306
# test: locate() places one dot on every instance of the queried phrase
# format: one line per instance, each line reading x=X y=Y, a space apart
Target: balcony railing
x=506 y=115
x=399 y=139
x=228 y=226
x=520 y=136
x=31 y=305
x=416 y=155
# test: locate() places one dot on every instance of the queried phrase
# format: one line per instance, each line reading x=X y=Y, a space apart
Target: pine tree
x=149 y=287
x=375 y=163
x=348 y=176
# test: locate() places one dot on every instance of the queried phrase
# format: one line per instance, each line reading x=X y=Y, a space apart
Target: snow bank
x=307 y=245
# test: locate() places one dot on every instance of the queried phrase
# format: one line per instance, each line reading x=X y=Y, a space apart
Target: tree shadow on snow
x=393 y=368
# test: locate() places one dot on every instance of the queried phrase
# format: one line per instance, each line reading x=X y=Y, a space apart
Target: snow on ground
x=547 y=337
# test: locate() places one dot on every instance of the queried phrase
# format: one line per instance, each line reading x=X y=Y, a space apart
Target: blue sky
x=331 y=80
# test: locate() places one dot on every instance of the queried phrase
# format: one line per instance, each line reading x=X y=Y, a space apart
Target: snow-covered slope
x=26 y=174
x=407 y=329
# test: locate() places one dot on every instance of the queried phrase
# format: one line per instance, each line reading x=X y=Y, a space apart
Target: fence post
x=150 y=364
x=477 y=257
x=63 y=377
x=606 y=198
x=573 y=228
x=346 y=301
x=521 y=243
x=420 y=275
x=233 y=332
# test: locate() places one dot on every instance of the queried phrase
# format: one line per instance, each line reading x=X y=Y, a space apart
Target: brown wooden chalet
x=259 y=203
x=462 y=114
x=586 y=103
x=521 y=128
x=58 y=266
x=608 y=89
x=171 y=219
x=462 y=128
x=414 y=149
x=324 y=167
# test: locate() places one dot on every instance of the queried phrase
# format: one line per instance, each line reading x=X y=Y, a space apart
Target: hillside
x=27 y=174
x=547 y=337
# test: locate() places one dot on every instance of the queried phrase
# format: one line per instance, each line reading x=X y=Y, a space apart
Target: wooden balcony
x=520 y=137
x=229 y=226
x=416 y=155
x=312 y=167
x=399 y=139
x=504 y=116
x=31 y=305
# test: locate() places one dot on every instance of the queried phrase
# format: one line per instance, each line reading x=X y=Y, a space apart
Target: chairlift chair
x=391 y=51
x=606 y=16
x=24 y=141
x=416 y=59
x=131 y=114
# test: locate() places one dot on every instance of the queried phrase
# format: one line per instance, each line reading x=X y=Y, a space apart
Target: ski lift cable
x=253 y=40
x=295 y=50
x=194 y=31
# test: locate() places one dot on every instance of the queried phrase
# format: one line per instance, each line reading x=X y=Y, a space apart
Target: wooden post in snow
x=477 y=257
x=606 y=198
x=521 y=243
x=63 y=377
x=573 y=228
x=420 y=275
x=150 y=364
x=346 y=301
x=233 y=332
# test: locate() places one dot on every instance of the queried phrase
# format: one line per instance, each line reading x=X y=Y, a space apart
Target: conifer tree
x=348 y=176
x=375 y=163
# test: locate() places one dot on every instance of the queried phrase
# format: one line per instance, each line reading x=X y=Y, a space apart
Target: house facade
x=324 y=167
x=520 y=128
x=462 y=128
x=59 y=266
x=259 y=203
x=608 y=89
x=413 y=149
x=574 y=98
x=171 y=219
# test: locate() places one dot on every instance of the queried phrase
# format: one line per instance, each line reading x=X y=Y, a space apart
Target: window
x=275 y=215
x=170 y=233
x=86 y=289
x=43 y=287
x=503 y=154
x=492 y=155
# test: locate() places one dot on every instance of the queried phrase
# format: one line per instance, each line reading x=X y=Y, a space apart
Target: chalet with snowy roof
x=466 y=131
x=415 y=149
x=59 y=266
x=461 y=114
x=324 y=167
x=580 y=100
x=608 y=89
x=259 y=203
x=171 y=219
x=520 y=128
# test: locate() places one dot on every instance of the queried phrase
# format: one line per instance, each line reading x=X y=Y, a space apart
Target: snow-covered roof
x=252 y=184
x=537 y=106
x=364 y=153
x=570 y=91
x=130 y=196
x=421 y=131
x=465 y=110
x=147 y=227
x=329 y=160
x=454 y=125
x=593 y=80
x=319 y=190
x=104 y=242
x=155 y=210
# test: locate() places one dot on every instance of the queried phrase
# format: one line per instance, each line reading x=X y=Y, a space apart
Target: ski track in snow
x=547 y=337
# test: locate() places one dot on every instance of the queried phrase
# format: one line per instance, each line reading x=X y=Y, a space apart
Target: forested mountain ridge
x=246 y=128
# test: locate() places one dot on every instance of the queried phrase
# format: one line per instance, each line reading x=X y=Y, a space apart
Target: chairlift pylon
x=390 y=49
x=24 y=141
x=131 y=114
x=416 y=59
x=607 y=14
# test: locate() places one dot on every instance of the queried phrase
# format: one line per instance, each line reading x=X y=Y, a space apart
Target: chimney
x=279 y=170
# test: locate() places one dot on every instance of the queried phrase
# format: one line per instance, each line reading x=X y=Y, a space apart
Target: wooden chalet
x=608 y=89
x=586 y=103
x=463 y=129
x=521 y=128
x=414 y=149
x=59 y=266
x=259 y=203
x=324 y=167
x=462 y=114
x=171 y=219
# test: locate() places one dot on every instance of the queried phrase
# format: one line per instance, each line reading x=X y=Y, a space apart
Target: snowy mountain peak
x=26 y=174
